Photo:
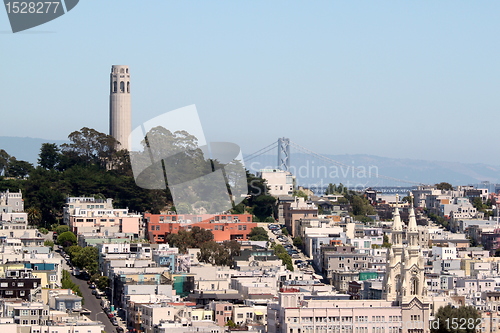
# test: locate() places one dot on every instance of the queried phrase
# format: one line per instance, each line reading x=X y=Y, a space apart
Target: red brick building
x=223 y=226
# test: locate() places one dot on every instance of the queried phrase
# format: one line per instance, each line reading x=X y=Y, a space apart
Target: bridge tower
x=284 y=154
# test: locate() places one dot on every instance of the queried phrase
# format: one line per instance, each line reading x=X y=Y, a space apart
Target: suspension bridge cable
x=248 y=159
x=327 y=159
x=257 y=152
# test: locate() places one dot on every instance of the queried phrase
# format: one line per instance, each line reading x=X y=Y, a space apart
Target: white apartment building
x=87 y=214
x=279 y=182
x=11 y=202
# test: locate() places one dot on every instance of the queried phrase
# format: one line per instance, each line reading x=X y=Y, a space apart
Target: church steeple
x=412 y=233
x=404 y=279
x=397 y=226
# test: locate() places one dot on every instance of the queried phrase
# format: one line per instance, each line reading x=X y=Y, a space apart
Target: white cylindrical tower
x=120 y=114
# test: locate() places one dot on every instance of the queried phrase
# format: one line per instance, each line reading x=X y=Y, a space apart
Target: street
x=90 y=301
x=94 y=305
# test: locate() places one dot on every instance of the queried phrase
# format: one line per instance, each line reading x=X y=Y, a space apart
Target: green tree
x=282 y=254
x=34 y=216
x=233 y=247
x=260 y=203
x=43 y=231
x=66 y=239
x=89 y=146
x=363 y=218
x=49 y=243
x=87 y=258
x=385 y=242
x=102 y=282
x=4 y=162
x=444 y=186
x=258 y=234
x=72 y=251
x=215 y=254
x=297 y=241
x=201 y=235
x=49 y=156
x=342 y=200
x=181 y=240
x=68 y=284
x=61 y=228
x=189 y=239
x=300 y=194
x=407 y=199
x=19 y=169
x=284 y=231
x=331 y=189
x=449 y=319
x=477 y=202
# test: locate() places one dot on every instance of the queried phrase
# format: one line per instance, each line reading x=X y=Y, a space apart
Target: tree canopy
x=258 y=234
x=449 y=319
x=89 y=164
x=444 y=186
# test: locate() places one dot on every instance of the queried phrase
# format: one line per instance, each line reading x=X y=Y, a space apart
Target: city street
x=94 y=305
x=90 y=301
x=270 y=234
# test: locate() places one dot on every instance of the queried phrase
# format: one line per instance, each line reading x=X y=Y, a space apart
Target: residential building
x=223 y=226
x=279 y=182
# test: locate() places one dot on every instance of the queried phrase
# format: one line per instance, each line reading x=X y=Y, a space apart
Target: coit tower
x=120 y=123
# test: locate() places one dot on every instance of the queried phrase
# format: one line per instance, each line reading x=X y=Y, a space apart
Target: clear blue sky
x=409 y=79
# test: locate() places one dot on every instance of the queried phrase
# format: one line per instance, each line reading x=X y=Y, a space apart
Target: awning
x=258 y=313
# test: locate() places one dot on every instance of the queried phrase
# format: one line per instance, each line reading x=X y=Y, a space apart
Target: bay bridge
x=316 y=171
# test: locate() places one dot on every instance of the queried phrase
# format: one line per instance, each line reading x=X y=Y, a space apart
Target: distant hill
x=26 y=149
x=310 y=170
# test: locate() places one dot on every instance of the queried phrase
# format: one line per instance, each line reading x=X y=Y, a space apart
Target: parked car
x=92 y=286
x=98 y=296
x=94 y=292
x=114 y=322
x=119 y=330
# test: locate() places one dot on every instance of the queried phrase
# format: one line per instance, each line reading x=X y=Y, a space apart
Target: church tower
x=404 y=277
x=413 y=274
x=120 y=122
x=392 y=281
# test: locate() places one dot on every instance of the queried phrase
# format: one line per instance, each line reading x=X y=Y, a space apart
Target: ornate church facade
x=404 y=279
